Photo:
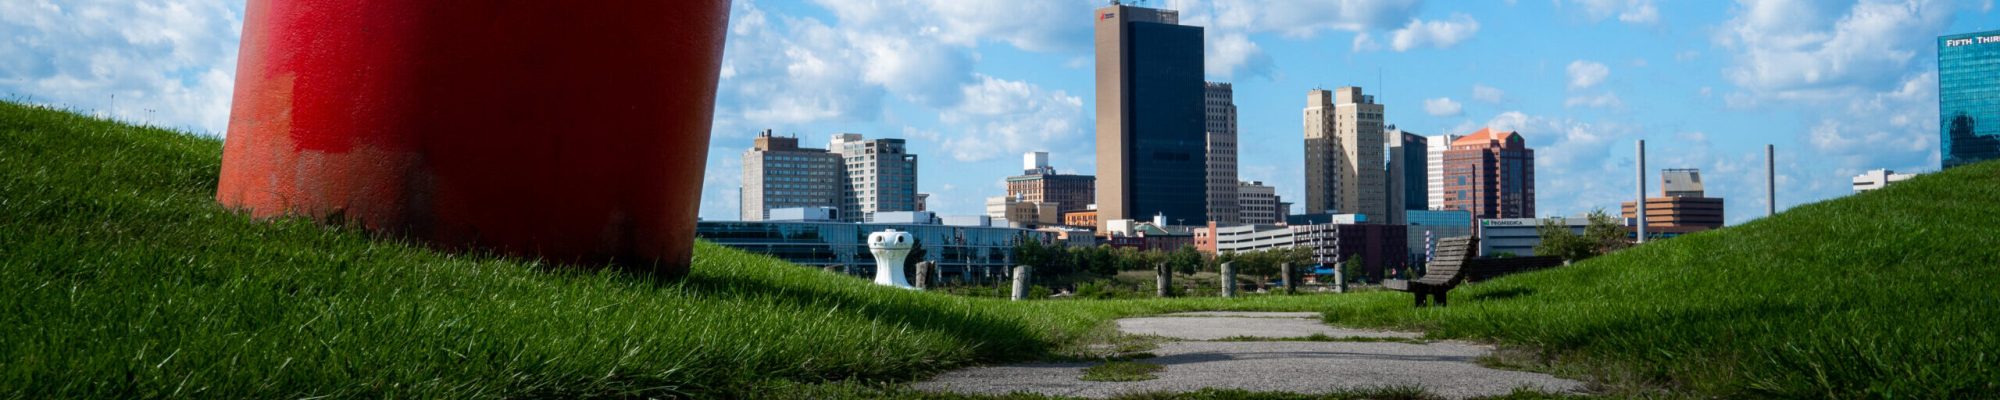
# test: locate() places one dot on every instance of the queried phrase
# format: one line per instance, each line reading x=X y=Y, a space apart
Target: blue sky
x=1839 y=86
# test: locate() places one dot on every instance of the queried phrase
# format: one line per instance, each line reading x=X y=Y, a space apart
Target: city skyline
x=1840 y=87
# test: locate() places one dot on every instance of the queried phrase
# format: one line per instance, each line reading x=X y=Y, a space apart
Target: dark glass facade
x=1416 y=178
x=964 y=253
x=1969 y=97
x=1169 y=168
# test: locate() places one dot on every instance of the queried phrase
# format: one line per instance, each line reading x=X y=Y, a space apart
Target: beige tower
x=1344 y=164
x=1223 y=207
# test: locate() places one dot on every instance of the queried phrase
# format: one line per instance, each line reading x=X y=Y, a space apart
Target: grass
x=1889 y=293
x=121 y=277
x=1121 y=371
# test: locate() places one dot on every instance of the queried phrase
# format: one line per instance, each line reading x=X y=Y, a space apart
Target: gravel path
x=1442 y=368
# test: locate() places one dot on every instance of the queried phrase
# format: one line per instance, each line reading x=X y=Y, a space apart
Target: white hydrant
x=890 y=248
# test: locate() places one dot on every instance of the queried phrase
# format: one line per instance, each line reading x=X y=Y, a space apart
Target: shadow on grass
x=1502 y=294
x=997 y=338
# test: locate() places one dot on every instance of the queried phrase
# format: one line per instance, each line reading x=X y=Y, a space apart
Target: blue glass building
x=1969 y=97
x=965 y=253
x=1437 y=225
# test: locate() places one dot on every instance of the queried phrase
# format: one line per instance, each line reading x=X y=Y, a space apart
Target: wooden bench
x=1445 y=272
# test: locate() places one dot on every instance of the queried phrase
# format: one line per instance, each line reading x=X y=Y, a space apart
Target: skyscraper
x=1969 y=97
x=1492 y=174
x=1222 y=205
x=777 y=173
x=880 y=176
x=1151 y=141
x=1407 y=180
x=1435 y=159
x=1344 y=166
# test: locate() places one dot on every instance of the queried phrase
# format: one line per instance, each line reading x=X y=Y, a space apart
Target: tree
x=1185 y=260
x=1102 y=260
x=1214 y=264
x=1604 y=233
x=1558 y=241
x=1031 y=252
x=1355 y=269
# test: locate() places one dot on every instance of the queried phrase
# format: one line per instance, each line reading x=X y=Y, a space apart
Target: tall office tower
x=1968 y=84
x=880 y=176
x=1406 y=179
x=777 y=173
x=1436 y=146
x=1151 y=152
x=1343 y=154
x=1222 y=207
x=1259 y=204
x=1039 y=183
x=1492 y=174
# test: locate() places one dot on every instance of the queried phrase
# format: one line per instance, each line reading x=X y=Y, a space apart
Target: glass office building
x=1969 y=97
x=962 y=253
x=1427 y=227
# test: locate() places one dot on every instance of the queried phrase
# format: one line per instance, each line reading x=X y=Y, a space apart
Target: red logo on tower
x=1108 y=16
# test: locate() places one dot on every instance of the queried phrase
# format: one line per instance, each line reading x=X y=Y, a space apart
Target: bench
x=1445 y=272
x=1455 y=264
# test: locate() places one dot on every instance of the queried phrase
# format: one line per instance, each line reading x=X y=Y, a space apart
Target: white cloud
x=1443 y=107
x=1364 y=42
x=1298 y=18
x=1230 y=24
x=1487 y=93
x=1585 y=74
x=1808 y=49
x=1603 y=100
x=1571 y=157
x=169 y=63
x=1044 y=26
x=795 y=72
x=1232 y=52
x=1010 y=117
x=1856 y=71
x=1437 y=33
x=1629 y=11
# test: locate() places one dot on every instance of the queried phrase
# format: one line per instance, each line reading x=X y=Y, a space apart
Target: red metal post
x=572 y=131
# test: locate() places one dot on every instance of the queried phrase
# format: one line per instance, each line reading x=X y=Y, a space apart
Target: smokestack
x=1641 y=204
x=1770 y=180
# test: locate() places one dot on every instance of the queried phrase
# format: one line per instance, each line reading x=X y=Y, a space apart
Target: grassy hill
x=1890 y=293
x=120 y=277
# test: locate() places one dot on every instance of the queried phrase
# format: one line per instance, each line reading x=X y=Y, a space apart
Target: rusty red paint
x=571 y=131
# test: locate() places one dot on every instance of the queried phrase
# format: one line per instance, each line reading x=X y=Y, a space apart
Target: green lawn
x=121 y=277
x=1891 y=293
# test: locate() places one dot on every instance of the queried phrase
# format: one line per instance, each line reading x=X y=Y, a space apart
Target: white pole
x=1641 y=204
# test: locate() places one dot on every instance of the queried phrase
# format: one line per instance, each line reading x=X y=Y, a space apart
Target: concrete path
x=1442 y=368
